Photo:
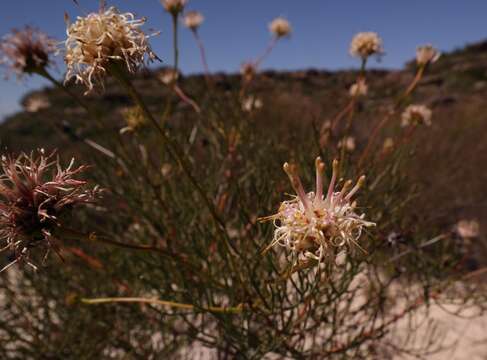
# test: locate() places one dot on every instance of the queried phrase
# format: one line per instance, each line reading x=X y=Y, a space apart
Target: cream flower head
x=280 y=27
x=134 y=118
x=251 y=103
x=426 y=54
x=365 y=44
x=193 y=20
x=98 y=39
x=359 y=88
x=416 y=115
x=26 y=51
x=348 y=142
x=467 y=229
x=174 y=7
x=316 y=225
x=36 y=103
x=168 y=76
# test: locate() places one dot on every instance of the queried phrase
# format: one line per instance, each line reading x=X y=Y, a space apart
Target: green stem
x=173 y=150
x=216 y=309
x=175 y=40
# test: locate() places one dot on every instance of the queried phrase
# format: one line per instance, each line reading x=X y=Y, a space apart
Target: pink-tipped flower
x=193 y=20
x=348 y=142
x=99 y=39
x=174 y=7
x=318 y=225
x=416 y=115
x=35 y=194
x=366 y=44
x=26 y=51
x=280 y=27
x=426 y=54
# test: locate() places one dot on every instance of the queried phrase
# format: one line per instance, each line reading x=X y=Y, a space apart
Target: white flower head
x=168 y=76
x=348 y=142
x=36 y=103
x=365 y=44
x=193 y=20
x=416 y=115
x=388 y=144
x=467 y=229
x=314 y=224
x=426 y=54
x=251 y=103
x=174 y=7
x=99 y=39
x=280 y=27
x=359 y=88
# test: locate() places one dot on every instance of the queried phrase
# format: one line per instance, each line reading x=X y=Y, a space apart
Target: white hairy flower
x=314 y=224
x=359 y=88
x=36 y=103
x=416 y=115
x=168 y=76
x=467 y=229
x=193 y=20
x=348 y=142
x=99 y=39
x=365 y=44
x=174 y=7
x=426 y=54
x=251 y=103
x=280 y=27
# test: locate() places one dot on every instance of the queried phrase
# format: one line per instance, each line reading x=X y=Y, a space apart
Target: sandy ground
x=463 y=338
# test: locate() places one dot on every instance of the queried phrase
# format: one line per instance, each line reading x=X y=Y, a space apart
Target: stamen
x=320 y=168
x=292 y=173
x=359 y=184
x=332 y=181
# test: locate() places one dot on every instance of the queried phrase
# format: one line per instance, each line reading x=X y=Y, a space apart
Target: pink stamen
x=332 y=181
x=320 y=168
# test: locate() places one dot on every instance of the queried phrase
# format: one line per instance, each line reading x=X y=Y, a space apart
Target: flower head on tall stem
x=280 y=27
x=35 y=194
x=134 y=118
x=426 y=55
x=26 y=51
x=193 y=20
x=174 y=7
x=100 y=39
x=416 y=115
x=318 y=225
x=366 y=44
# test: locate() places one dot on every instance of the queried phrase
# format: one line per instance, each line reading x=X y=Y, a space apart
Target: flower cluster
x=174 y=7
x=193 y=20
x=99 y=39
x=251 y=103
x=359 y=88
x=416 y=115
x=35 y=192
x=365 y=44
x=318 y=225
x=426 y=54
x=26 y=51
x=280 y=27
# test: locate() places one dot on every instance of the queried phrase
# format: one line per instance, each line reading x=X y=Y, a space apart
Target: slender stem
x=173 y=149
x=186 y=99
x=267 y=51
x=175 y=40
x=202 y=54
x=386 y=119
x=225 y=310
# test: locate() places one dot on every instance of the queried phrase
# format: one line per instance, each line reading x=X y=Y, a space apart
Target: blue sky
x=236 y=30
